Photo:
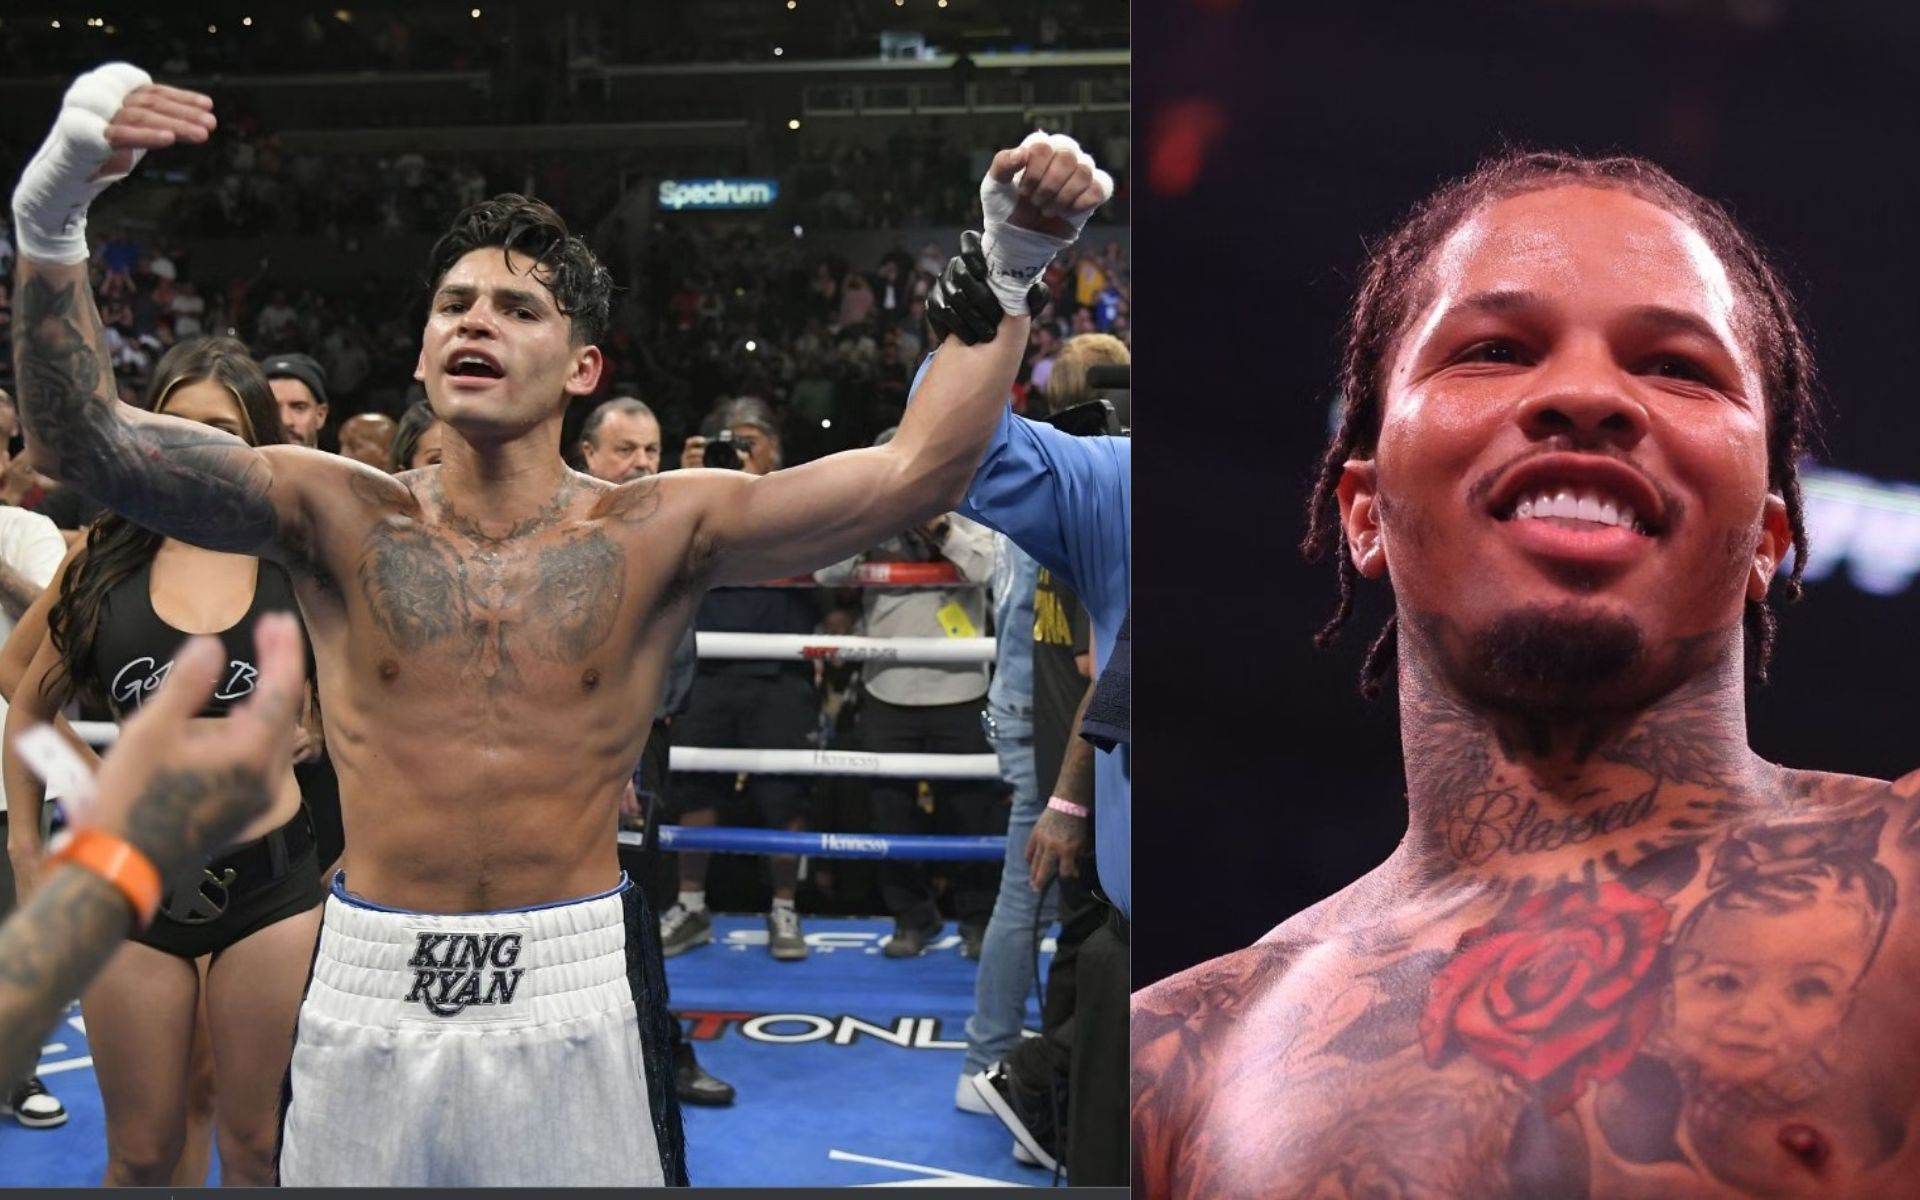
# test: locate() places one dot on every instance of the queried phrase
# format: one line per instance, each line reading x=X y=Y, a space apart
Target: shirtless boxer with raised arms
x=1618 y=954
x=485 y=1006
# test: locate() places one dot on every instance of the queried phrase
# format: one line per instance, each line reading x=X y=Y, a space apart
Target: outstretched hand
x=154 y=117
x=180 y=793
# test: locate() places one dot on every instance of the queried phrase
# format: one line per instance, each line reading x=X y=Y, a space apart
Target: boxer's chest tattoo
x=1719 y=1012
x=498 y=606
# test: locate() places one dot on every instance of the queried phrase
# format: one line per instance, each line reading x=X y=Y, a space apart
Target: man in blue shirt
x=1067 y=501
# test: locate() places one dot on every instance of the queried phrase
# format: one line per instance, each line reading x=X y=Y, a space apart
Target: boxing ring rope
x=722 y=839
x=885 y=575
x=828 y=647
x=772 y=762
x=846 y=763
x=96 y=733
x=790 y=647
x=835 y=762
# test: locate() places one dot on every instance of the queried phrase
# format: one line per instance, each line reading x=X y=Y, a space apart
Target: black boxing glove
x=962 y=303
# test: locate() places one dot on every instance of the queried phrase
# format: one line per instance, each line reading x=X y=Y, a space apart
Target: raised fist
x=1035 y=199
x=110 y=117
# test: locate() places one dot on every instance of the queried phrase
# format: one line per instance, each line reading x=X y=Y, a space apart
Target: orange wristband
x=115 y=860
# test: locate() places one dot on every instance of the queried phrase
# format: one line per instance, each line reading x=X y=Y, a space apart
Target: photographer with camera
x=737 y=436
x=740 y=704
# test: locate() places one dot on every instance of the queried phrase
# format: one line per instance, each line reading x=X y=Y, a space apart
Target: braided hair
x=1393 y=288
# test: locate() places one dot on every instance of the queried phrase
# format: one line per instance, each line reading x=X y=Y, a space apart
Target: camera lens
x=723 y=454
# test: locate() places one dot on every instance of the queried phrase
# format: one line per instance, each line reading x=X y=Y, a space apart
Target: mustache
x=1484 y=486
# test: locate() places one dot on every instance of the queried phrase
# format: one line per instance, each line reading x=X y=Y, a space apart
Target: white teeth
x=1590 y=506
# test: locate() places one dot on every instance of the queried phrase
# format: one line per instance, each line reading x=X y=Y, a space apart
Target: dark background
x=1276 y=140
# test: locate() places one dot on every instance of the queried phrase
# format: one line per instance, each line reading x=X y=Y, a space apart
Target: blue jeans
x=1006 y=958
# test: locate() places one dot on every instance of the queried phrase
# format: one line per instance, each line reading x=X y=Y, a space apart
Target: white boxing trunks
x=519 y=1048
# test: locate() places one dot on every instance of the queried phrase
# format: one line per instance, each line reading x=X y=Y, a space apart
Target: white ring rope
x=825 y=647
x=836 y=762
x=96 y=733
x=769 y=762
x=805 y=647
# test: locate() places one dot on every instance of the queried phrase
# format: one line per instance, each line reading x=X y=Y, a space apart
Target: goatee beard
x=1552 y=659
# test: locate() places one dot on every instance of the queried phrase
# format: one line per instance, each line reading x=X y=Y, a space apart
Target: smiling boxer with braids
x=1390 y=291
x=1617 y=954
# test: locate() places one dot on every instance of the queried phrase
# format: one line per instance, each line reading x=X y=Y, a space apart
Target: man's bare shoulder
x=1223 y=986
x=327 y=481
x=1813 y=794
x=293 y=458
x=1832 y=787
x=632 y=503
x=1188 y=1030
x=339 y=499
x=692 y=486
x=1233 y=985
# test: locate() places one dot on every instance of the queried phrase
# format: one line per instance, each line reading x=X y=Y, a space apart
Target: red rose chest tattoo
x=1723 y=1011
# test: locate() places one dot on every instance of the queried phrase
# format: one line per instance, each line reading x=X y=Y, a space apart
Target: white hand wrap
x=50 y=205
x=1016 y=256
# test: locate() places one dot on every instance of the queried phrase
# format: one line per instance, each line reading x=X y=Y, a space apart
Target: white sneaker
x=967 y=1099
x=784 y=940
x=30 y=1105
x=681 y=929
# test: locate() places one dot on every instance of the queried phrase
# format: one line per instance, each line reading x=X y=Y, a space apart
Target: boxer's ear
x=1776 y=538
x=420 y=366
x=585 y=373
x=1360 y=517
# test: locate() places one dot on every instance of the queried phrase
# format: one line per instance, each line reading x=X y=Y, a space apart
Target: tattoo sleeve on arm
x=17 y=593
x=178 y=478
x=184 y=817
x=1076 y=768
x=48 y=952
x=76 y=920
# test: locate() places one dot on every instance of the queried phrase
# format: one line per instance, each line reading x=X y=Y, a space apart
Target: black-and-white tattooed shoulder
x=399 y=492
x=627 y=504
